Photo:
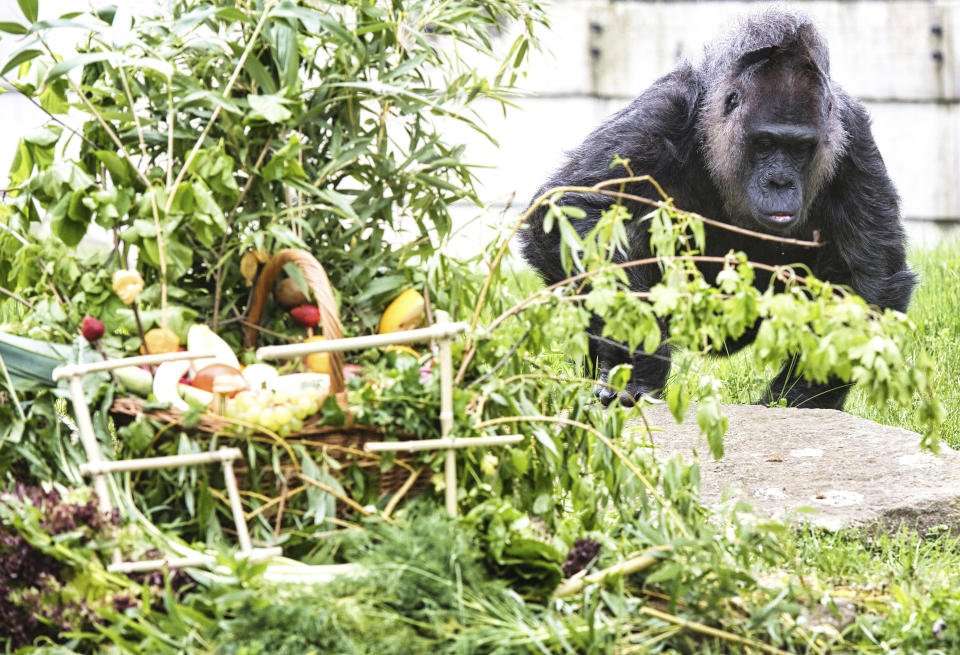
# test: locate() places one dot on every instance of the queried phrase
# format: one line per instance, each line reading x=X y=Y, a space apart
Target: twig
x=226 y=94
x=218 y=276
x=401 y=492
x=273 y=501
x=696 y=626
x=16 y=297
x=52 y=117
x=283 y=501
x=600 y=189
x=503 y=360
x=784 y=274
x=336 y=494
x=634 y=564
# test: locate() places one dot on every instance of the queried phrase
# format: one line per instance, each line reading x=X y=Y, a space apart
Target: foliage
x=51 y=578
x=315 y=130
x=214 y=129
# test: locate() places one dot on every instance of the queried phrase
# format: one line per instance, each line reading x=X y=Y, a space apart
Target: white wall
x=900 y=57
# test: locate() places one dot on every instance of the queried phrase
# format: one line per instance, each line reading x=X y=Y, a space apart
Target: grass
x=904 y=589
x=938 y=333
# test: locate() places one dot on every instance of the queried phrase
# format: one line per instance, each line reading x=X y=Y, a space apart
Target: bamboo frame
x=443 y=331
x=98 y=468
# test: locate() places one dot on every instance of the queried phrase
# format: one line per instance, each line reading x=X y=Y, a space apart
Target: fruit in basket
x=161 y=340
x=400 y=348
x=127 y=285
x=282 y=411
x=317 y=362
x=208 y=376
x=258 y=375
x=201 y=338
x=91 y=329
x=306 y=315
x=166 y=382
x=404 y=313
x=289 y=294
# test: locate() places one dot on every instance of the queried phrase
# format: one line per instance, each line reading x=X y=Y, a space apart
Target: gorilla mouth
x=778 y=221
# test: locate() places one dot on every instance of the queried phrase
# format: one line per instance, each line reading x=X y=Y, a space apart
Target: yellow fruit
x=399 y=348
x=318 y=362
x=161 y=340
x=404 y=313
x=248 y=266
x=127 y=285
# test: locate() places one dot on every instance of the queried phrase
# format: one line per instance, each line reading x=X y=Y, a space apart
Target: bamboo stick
x=100 y=467
x=631 y=565
x=439 y=331
x=446 y=418
x=75 y=370
x=89 y=439
x=254 y=555
x=441 y=444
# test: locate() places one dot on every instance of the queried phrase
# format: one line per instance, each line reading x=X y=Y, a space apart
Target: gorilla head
x=769 y=124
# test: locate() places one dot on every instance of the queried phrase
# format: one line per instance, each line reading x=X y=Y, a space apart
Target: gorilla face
x=779 y=144
x=774 y=143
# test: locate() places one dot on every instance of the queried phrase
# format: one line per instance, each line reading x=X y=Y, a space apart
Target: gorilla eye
x=733 y=100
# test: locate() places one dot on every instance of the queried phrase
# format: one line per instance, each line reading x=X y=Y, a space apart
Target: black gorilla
x=757 y=135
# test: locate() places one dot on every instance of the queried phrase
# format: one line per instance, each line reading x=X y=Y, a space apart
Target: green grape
x=268 y=418
x=282 y=415
x=243 y=401
x=306 y=406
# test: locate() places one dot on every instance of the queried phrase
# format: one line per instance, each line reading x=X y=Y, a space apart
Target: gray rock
x=850 y=471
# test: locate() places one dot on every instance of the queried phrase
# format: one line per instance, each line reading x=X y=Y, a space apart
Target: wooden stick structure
x=98 y=468
x=443 y=331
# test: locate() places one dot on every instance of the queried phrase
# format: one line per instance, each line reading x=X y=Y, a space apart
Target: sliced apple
x=201 y=338
x=166 y=383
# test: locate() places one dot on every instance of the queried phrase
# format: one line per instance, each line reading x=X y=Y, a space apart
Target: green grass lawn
x=935 y=309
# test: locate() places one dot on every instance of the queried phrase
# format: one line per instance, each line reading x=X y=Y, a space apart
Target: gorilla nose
x=780 y=183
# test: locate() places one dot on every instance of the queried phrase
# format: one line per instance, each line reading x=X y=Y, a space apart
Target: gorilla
x=756 y=135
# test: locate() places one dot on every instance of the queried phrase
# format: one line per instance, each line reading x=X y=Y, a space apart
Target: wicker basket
x=342 y=443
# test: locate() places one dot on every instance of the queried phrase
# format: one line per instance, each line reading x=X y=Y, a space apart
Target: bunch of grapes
x=282 y=412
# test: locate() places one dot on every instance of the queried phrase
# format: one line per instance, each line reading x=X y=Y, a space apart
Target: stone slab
x=852 y=472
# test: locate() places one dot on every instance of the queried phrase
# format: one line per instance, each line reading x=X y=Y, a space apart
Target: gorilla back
x=759 y=136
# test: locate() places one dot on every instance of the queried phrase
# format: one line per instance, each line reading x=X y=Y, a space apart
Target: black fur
x=756 y=135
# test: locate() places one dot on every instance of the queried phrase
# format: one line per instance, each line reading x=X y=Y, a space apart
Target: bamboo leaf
x=29 y=9
x=19 y=58
x=12 y=28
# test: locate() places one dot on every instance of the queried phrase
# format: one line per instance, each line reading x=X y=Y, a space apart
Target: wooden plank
x=879 y=50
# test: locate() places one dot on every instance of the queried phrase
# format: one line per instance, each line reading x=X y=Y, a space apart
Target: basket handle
x=319 y=284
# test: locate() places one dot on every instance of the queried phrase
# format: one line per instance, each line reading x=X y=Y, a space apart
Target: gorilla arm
x=655 y=133
x=861 y=213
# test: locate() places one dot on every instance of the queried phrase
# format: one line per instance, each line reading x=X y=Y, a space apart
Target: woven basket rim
x=319 y=283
